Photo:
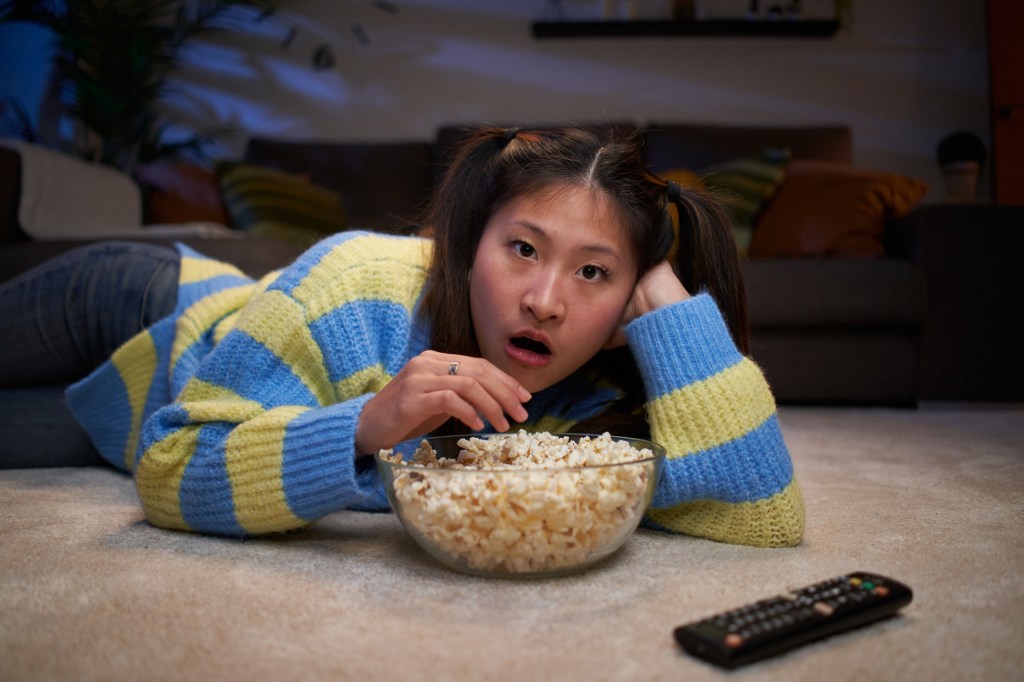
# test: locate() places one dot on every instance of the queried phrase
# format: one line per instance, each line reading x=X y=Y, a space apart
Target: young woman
x=542 y=301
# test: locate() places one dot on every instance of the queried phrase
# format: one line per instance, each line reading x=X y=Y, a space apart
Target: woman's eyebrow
x=595 y=248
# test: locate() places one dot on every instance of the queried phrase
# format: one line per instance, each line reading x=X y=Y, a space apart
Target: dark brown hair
x=495 y=165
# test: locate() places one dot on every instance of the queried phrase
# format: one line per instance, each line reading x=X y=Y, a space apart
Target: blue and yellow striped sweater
x=237 y=414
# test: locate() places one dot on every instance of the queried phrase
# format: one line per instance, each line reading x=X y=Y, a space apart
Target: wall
x=903 y=75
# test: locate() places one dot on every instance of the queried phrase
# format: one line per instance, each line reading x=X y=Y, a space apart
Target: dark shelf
x=708 y=27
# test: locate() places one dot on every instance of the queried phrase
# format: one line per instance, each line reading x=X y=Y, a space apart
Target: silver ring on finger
x=453 y=368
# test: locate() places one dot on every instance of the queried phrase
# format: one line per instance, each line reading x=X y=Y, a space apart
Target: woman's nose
x=544 y=298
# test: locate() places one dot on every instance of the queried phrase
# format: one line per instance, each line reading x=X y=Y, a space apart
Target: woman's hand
x=658 y=287
x=424 y=395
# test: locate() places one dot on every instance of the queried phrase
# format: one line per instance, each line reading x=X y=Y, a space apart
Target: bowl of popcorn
x=524 y=504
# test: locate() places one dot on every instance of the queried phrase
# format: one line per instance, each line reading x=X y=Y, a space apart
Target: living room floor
x=933 y=497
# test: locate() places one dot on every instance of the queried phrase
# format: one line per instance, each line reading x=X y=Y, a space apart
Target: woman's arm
x=321 y=369
x=261 y=435
x=729 y=476
x=261 y=438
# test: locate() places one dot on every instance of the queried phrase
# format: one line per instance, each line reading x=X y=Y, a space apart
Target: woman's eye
x=592 y=272
x=524 y=249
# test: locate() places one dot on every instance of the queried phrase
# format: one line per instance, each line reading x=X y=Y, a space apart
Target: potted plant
x=111 y=65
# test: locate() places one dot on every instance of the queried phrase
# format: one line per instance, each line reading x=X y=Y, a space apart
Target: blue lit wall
x=903 y=76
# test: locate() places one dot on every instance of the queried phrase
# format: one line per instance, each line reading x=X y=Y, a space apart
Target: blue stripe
x=318 y=474
x=751 y=468
x=194 y=291
x=164 y=422
x=679 y=344
x=205 y=493
x=419 y=334
x=368 y=331
x=159 y=392
x=100 y=403
x=189 y=360
x=262 y=377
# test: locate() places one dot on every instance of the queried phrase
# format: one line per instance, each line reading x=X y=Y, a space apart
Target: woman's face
x=551 y=278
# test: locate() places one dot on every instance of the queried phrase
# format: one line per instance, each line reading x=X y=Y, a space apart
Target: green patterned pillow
x=274 y=203
x=744 y=186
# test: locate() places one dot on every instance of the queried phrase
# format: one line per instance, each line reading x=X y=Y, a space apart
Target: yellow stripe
x=136 y=363
x=200 y=317
x=266 y=280
x=777 y=521
x=279 y=323
x=369 y=380
x=230 y=321
x=158 y=478
x=707 y=413
x=222 y=328
x=198 y=269
x=207 y=402
x=254 y=460
x=326 y=287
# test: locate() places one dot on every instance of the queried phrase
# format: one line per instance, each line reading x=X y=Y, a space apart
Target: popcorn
x=527 y=503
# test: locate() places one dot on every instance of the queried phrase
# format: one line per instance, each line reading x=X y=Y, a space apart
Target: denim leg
x=37 y=430
x=58 y=322
x=65 y=317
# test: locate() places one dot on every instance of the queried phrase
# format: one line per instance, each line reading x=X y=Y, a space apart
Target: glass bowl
x=522 y=520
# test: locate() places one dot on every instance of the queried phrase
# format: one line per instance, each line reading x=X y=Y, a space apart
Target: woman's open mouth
x=527 y=351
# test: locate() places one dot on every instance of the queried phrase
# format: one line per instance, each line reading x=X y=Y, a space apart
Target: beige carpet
x=935 y=497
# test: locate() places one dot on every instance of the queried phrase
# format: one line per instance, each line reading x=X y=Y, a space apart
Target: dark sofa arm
x=10 y=192
x=970 y=255
x=253 y=255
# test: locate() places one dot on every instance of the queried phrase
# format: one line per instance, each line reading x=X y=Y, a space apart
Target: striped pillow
x=274 y=203
x=744 y=186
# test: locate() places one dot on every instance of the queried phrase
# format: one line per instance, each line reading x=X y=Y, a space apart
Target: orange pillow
x=181 y=192
x=825 y=208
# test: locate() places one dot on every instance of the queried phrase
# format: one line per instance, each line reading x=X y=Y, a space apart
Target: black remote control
x=771 y=626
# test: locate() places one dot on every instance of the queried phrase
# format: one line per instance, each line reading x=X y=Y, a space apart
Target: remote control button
x=880 y=591
x=823 y=609
x=732 y=640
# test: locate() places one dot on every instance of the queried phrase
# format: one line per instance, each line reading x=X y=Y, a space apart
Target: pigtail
x=708 y=259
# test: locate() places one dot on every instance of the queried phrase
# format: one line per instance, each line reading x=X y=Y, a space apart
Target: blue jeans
x=60 y=321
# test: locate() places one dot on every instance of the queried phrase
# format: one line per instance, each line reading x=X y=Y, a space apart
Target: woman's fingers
x=467 y=388
x=492 y=392
x=433 y=387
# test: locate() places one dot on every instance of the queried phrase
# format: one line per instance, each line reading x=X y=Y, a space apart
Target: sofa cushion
x=837 y=292
x=825 y=209
x=744 y=185
x=180 y=192
x=383 y=185
x=272 y=203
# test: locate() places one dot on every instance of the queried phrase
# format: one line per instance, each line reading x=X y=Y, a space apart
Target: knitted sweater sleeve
x=261 y=436
x=728 y=475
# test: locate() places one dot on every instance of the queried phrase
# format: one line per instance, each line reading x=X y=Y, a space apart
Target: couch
x=858 y=293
